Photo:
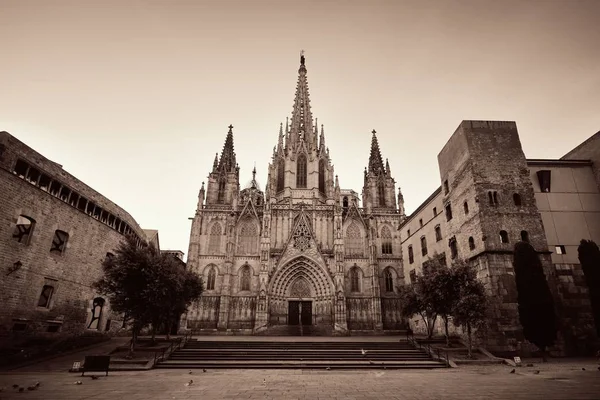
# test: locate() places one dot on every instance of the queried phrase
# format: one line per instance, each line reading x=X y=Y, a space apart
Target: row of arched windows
x=245 y=277
x=247 y=240
x=356 y=279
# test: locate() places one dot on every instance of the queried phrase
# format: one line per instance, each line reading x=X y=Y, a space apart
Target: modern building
x=55 y=232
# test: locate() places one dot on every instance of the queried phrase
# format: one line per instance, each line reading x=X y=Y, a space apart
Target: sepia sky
x=134 y=97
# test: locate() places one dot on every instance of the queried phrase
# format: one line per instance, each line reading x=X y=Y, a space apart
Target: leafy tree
x=536 y=305
x=413 y=301
x=470 y=301
x=439 y=290
x=589 y=257
x=148 y=287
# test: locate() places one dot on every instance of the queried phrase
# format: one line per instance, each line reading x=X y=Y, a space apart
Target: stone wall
x=29 y=265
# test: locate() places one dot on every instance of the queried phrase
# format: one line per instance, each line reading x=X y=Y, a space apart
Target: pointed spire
x=201 y=194
x=387 y=167
x=216 y=162
x=337 y=182
x=301 y=115
x=227 y=162
x=322 y=139
x=280 y=140
x=375 y=160
x=254 y=183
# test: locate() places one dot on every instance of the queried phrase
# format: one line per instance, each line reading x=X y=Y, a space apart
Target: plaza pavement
x=560 y=379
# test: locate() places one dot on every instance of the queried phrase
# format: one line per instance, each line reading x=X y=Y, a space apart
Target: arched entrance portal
x=301 y=292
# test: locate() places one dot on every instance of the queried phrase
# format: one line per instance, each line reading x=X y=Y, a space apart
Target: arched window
x=517 y=199
x=214 y=239
x=491 y=198
x=245 y=278
x=355 y=280
x=389 y=280
x=411 y=256
x=301 y=171
x=423 y=245
x=386 y=240
x=466 y=207
x=495 y=198
x=471 y=243
x=503 y=237
x=59 y=242
x=381 y=193
x=97 y=306
x=248 y=238
x=46 y=296
x=525 y=236
x=280 y=174
x=345 y=202
x=453 y=247
x=23 y=229
x=212 y=277
x=221 y=194
x=322 y=176
x=354 y=242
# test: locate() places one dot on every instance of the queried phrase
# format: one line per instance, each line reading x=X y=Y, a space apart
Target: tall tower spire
x=375 y=160
x=227 y=161
x=302 y=121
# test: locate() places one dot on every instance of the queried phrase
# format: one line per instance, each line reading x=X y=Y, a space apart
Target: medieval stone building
x=303 y=252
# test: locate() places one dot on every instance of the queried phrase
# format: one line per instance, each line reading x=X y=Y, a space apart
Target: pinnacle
x=227 y=161
x=375 y=160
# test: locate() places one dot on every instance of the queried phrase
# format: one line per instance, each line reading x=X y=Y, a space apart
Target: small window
x=423 y=245
x=421 y=222
x=413 y=276
x=525 y=236
x=23 y=229
x=490 y=198
x=453 y=247
x=59 y=243
x=44 y=182
x=438 y=233
x=560 y=249
x=544 y=180
x=446 y=190
x=434 y=211
x=466 y=207
x=345 y=202
x=21 y=168
x=503 y=237
x=210 y=282
x=517 y=199
x=471 y=243
x=448 y=212
x=45 y=296
x=408 y=232
x=495 y=194
x=411 y=256
x=354 y=280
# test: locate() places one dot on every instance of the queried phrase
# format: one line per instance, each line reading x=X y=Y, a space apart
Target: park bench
x=95 y=364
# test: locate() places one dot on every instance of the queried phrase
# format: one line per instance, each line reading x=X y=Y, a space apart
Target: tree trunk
x=446 y=329
x=543 y=351
x=470 y=346
x=134 y=335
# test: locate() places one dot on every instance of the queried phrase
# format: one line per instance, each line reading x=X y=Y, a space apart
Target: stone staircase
x=272 y=354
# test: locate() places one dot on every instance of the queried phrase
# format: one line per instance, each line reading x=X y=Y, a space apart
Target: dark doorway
x=300 y=312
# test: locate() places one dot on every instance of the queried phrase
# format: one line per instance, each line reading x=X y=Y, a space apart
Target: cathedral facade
x=303 y=252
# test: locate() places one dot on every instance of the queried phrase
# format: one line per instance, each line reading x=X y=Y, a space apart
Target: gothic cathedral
x=303 y=253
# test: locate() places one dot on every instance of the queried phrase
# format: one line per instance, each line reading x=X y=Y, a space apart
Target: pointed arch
x=280 y=174
x=214 y=238
x=211 y=276
x=221 y=193
x=301 y=171
x=322 y=175
x=355 y=279
x=386 y=240
x=388 y=277
x=245 y=278
x=248 y=237
x=354 y=243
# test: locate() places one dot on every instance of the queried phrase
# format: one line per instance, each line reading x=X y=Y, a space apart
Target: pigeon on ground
x=21 y=389
x=583 y=369
x=328 y=369
x=536 y=371
x=189 y=383
x=78 y=382
x=371 y=362
x=190 y=372
x=512 y=371
x=15 y=386
x=530 y=365
x=37 y=384
x=203 y=369
x=31 y=387
x=264 y=381
x=364 y=352
x=94 y=377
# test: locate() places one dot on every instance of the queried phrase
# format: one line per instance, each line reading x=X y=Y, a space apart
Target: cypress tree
x=536 y=305
x=589 y=257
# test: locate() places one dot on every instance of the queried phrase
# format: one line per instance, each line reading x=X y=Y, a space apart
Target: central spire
x=227 y=162
x=375 y=159
x=302 y=121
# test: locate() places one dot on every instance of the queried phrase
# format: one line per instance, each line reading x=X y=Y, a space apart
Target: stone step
x=277 y=364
